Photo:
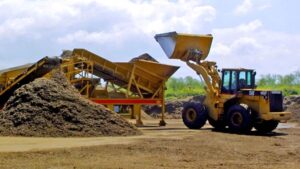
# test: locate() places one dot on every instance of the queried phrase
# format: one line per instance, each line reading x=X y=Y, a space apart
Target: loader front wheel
x=266 y=126
x=239 y=119
x=194 y=115
x=217 y=124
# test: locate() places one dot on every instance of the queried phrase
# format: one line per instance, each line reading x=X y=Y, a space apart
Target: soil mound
x=292 y=104
x=52 y=107
x=173 y=107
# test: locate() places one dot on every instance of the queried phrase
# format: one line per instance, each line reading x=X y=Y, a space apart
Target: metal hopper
x=176 y=45
x=122 y=85
x=163 y=71
x=150 y=75
x=140 y=76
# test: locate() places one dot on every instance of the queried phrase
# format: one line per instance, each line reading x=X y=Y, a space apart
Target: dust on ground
x=52 y=107
x=173 y=146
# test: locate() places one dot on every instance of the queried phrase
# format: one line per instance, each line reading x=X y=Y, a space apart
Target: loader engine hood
x=275 y=98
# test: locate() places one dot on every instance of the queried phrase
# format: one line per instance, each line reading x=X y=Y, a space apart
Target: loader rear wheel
x=217 y=124
x=239 y=119
x=266 y=126
x=194 y=115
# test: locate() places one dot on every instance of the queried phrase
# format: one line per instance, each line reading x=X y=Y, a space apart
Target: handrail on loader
x=192 y=49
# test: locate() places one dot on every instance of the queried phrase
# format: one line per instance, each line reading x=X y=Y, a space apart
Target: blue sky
x=258 y=34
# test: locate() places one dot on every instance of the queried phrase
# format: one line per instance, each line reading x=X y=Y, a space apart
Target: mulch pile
x=52 y=107
x=292 y=104
x=173 y=107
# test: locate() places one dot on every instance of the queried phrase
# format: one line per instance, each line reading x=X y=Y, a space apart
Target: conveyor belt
x=34 y=71
x=148 y=76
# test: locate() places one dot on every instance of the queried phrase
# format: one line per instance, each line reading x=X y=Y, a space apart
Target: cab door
x=229 y=82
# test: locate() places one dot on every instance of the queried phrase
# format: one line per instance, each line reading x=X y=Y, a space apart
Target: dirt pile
x=144 y=56
x=292 y=104
x=173 y=107
x=54 y=108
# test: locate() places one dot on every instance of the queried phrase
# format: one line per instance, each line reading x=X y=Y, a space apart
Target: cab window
x=249 y=75
x=233 y=81
x=243 y=79
x=226 y=80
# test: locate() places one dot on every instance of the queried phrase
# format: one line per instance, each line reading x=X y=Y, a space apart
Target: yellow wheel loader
x=232 y=98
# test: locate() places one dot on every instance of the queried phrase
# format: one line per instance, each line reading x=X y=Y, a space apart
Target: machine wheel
x=266 y=126
x=239 y=119
x=194 y=115
x=217 y=124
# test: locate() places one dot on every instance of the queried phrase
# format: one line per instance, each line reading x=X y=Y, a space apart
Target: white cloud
x=245 y=29
x=251 y=5
x=163 y=16
x=132 y=24
x=90 y=37
x=16 y=26
x=244 y=7
x=145 y=18
x=21 y=17
x=135 y=17
x=264 y=6
x=220 y=49
x=251 y=26
x=250 y=45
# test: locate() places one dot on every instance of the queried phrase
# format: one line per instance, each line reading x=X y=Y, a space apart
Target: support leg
x=138 y=115
x=163 y=109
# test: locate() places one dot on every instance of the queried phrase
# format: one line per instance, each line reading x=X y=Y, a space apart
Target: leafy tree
x=268 y=80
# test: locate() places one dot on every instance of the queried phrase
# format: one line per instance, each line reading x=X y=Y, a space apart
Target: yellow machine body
x=193 y=49
x=121 y=86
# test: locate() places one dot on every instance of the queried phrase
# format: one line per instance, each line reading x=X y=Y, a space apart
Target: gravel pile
x=52 y=107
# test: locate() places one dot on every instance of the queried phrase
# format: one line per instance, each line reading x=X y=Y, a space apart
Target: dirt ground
x=173 y=146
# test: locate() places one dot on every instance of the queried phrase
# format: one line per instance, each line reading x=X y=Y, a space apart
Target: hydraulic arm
x=192 y=49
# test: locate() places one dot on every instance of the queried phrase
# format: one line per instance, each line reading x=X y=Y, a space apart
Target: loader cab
x=233 y=80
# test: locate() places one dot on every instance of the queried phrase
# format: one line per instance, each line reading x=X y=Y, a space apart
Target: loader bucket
x=176 y=45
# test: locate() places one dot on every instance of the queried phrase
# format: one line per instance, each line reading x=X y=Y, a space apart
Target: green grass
x=183 y=87
x=286 y=89
x=182 y=93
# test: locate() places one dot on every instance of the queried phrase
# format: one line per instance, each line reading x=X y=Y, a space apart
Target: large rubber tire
x=266 y=126
x=239 y=119
x=218 y=125
x=194 y=115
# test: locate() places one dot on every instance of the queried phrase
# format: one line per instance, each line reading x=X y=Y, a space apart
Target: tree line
x=289 y=84
x=182 y=87
x=189 y=86
x=271 y=80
